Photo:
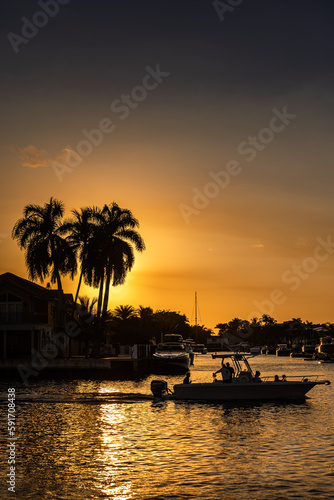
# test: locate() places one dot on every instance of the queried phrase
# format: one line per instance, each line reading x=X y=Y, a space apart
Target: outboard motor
x=159 y=388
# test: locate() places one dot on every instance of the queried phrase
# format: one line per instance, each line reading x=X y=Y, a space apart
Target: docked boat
x=309 y=347
x=255 y=350
x=282 y=350
x=244 y=386
x=326 y=346
x=198 y=348
x=297 y=355
x=271 y=350
x=171 y=356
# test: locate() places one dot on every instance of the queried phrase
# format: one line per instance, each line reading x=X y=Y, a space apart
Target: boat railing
x=296 y=378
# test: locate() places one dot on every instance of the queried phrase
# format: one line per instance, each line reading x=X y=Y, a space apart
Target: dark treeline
x=267 y=331
x=128 y=325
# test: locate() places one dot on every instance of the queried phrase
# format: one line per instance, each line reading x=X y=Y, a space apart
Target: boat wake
x=82 y=398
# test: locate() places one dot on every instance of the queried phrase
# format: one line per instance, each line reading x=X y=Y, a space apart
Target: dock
x=112 y=368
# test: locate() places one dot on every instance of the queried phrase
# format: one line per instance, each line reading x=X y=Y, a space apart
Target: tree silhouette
x=112 y=248
x=40 y=232
x=81 y=230
x=124 y=313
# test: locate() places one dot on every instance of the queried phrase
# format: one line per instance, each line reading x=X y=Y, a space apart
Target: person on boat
x=276 y=379
x=283 y=378
x=226 y=374
x=230 y=369
x=186 y=379
x=257 y=377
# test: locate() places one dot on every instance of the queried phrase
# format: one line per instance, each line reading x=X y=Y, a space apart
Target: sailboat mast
x=196 y=316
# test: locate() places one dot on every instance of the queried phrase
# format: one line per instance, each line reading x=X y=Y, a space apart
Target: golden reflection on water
x=112 y=449
x=82 y=444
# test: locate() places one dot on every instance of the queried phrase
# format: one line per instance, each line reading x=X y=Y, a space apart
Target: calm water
x=77 y=441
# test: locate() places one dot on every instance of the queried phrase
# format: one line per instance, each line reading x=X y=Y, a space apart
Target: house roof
x=26 y=286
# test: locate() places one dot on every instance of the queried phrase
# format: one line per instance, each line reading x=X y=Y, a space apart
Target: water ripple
x=99 y=440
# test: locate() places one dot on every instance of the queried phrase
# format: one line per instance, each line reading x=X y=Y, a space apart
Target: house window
x=45 y=338
x=11 y=308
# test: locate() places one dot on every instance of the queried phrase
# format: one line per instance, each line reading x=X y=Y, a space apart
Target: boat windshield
x=173 y=337
x=170 y=346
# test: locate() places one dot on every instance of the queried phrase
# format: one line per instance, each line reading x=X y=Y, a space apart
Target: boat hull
x=170 y=364
x=219 y=391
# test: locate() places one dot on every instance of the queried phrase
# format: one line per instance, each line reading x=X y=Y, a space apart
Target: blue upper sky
x=65 y=64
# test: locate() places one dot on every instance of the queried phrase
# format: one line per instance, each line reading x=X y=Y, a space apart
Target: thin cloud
x=257 y=245
x=32 y=157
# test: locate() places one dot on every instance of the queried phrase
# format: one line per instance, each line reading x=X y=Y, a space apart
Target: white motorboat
x=243 y=387
x=171 y=355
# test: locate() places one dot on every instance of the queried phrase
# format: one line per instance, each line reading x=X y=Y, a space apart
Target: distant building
x=216 y=343
x=27 y=317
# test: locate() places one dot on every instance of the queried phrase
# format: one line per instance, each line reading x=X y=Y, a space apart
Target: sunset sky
x=213 y=125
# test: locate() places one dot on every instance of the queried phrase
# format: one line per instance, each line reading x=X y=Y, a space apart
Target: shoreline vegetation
x=98 y=245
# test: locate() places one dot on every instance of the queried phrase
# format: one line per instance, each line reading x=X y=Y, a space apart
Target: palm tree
x=235 y=325
x=145 y=312
x=147 y=324
x=112 y=245
x=124 y=313
x=87 y=307
x=271 y=332
x=267 y=320
x=125 y=321
x=146 y=316
x=223 y=327
x=40 y=232
x=81 y=230
x=255 y=322
x=86 y=320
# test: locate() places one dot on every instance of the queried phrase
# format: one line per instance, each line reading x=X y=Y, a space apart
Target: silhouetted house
x=27 y=316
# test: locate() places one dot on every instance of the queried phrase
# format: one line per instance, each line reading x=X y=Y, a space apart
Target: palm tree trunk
x=60 y=312
x=99 y=303
x=60 y=315
x=106 y=294
x=61 y=309
x=77 y=292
